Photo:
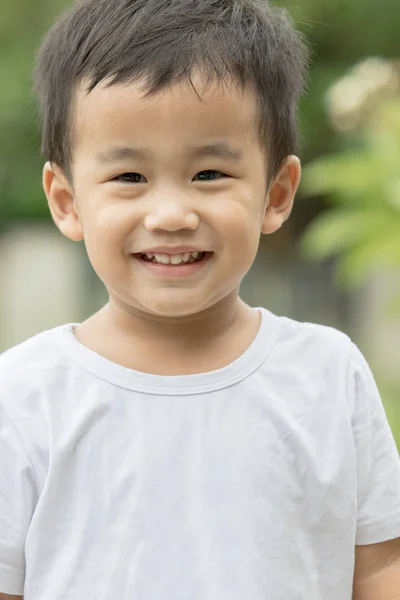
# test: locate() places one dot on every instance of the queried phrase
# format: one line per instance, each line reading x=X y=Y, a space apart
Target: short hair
x=164 y=41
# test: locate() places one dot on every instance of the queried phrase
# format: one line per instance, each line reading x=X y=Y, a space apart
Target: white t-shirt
x=254 y=482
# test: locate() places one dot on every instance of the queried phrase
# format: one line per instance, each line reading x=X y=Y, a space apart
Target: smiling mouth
x=174 y=260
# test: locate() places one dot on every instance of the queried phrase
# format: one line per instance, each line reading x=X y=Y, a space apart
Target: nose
x=171 y=216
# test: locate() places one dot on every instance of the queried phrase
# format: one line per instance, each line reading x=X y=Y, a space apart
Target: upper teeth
x=176 y=259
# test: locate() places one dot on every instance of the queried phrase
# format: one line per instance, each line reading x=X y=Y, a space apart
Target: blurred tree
x=22 y=25
x=363 y=182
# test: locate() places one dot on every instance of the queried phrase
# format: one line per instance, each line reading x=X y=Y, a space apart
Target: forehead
x=204 y=112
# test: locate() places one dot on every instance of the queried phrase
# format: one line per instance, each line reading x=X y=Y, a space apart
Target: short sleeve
x=18 y=497
x=378 y=462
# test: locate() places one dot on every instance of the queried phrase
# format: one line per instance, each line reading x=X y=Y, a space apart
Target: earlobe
x=61 y=202
x=279 y=203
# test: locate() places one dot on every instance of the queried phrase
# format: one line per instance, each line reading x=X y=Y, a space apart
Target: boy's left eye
x=210 y=175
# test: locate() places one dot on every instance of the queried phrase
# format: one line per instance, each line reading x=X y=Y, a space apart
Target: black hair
x=162 y=41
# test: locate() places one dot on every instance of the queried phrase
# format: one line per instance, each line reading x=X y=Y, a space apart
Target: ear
x=281 y=195
x=60 y=198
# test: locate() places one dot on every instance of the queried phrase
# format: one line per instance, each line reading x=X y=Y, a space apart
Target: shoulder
x=32 y=376
x=30 y=353
x=312 y=341
x=28 y=365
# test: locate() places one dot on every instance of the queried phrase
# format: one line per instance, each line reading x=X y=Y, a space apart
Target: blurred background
x=335 y=262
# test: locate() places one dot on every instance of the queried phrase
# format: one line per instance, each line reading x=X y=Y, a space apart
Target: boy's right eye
x=130 y=178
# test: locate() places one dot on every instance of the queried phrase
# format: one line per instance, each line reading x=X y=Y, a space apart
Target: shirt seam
x=349 y=357
x=367 y=524
x=181 y=391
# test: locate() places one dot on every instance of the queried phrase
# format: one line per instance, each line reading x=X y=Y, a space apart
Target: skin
x=377 y=571
x=160 y=325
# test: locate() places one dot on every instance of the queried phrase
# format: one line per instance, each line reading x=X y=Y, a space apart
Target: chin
x=171 y=312
x=174 y=307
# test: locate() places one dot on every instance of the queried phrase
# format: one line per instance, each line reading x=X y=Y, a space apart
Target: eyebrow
x=219 y=150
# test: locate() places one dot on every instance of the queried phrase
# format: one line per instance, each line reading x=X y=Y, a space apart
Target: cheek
x=106 y=241
x=107 y=224
x=241 y=221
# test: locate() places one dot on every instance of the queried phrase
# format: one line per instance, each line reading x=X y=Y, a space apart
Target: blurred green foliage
x=363 y=184
x=22 y=25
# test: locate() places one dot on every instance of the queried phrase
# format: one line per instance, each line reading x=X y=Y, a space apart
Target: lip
x=170 y=250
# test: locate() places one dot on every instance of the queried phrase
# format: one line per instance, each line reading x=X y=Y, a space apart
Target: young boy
x=179 y=444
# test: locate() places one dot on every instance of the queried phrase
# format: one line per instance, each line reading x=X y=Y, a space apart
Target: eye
x=210 y=175
x=130 y=178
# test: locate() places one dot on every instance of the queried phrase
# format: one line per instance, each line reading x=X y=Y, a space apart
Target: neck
x=197 y=343
x=197 y=329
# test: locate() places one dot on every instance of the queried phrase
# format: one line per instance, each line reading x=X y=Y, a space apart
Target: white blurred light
x=349 y=96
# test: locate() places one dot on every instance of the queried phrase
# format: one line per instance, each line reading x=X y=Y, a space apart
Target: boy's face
x=165 y=175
